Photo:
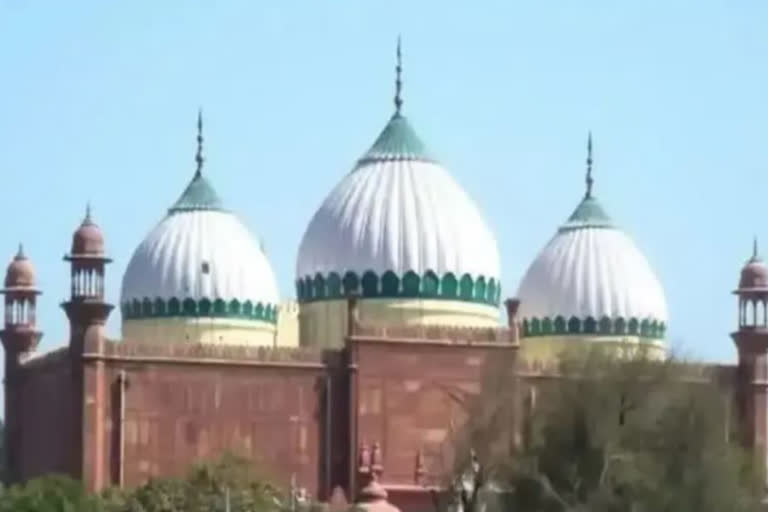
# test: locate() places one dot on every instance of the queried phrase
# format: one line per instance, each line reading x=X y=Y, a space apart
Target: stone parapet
x=204 y=352
x=455 y=334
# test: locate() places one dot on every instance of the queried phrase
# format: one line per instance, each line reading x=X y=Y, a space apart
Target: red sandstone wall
x=46 y=433
x=403 y=400
x=179 y=413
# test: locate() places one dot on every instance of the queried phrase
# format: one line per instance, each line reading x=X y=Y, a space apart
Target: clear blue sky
x=98 y=102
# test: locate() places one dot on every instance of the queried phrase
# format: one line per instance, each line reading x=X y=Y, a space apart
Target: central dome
x=200 y=276
x=398 y=225
x=401 y=234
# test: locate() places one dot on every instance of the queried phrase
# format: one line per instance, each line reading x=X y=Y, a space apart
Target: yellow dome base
x=549 y=348
x=324 y=323
x=205 y=330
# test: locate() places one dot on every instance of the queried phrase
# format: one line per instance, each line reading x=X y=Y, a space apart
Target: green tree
x=208 y=487
x=49 y=494
x=608 y=434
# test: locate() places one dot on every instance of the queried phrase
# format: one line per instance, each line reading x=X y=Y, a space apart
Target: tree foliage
x=49 y=494
x=609 y=434
x=208 y=487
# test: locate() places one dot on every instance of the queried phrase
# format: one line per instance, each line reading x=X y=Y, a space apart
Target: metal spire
x=590 y=181
x=398 y=81
x=755 y=252
x=20 y=255
x=87 y=219
x=199 y=156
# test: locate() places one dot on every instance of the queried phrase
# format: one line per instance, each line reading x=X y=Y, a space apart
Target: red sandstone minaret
x=751 y=340
x=86 y=308
x=20 y=337
x=88 y=312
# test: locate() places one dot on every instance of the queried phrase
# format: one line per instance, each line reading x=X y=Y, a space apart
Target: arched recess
x=590 y=325
x=190 y=306
x=449 y=286
x=480 y=289
x=174 y=306
x=749 y=319
x=430 y=284
x=334 y=285
x=350 y=283
x=146 y=307
x=605 y=325
x=159 y=307
x=466 y=287
x=370 y=283
x=318 y=287
x=560 y=327
x=574 y=325
x=411 y=284
x=390 y=284
x=645 y=327
x=491 y=292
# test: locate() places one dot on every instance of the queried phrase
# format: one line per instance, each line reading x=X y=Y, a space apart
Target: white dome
x=399 y=215
x=200 y=259
x=592 y=278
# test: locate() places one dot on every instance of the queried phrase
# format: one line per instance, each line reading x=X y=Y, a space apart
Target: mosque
x=344 y=390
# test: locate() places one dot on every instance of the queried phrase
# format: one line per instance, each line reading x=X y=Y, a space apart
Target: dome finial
x=87 y=218
x=589 y=166
x=199 y=156
x=755 y=251
x=20 y=255
x=398 y=81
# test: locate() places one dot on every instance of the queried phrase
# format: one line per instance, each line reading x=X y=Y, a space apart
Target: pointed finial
x=199 y=156
x=87 y=218
x=589 y=166
x=20 y=255
x=755 y=252
x=398 y=81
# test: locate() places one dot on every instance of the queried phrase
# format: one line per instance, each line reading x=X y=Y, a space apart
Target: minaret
x=86 y=308
x=751 y=341
x=20 y=338
x=88 y=312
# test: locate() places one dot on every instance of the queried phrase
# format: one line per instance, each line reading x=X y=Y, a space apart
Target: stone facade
x=115 y=413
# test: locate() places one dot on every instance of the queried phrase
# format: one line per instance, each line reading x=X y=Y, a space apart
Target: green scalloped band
x=391 y=286
x=190 y=308
x=558 y=326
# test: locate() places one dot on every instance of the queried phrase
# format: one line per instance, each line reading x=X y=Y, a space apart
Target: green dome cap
x=588 y=214
x=398 y=141
x=199 y=195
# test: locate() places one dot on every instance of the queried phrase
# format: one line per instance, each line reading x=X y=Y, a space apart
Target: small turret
x=751 y=339
x=88 y=260
x=372 y=497
x=86 y=306
x=20 y=335
x=20 y=338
